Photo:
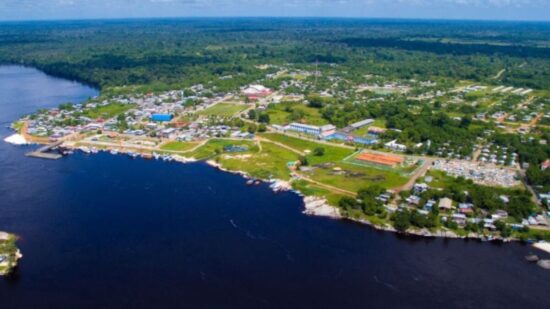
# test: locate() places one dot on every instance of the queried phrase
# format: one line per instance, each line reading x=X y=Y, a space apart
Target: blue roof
x=161 y=117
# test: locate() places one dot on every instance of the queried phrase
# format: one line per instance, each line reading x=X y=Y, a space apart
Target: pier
x=44 y=152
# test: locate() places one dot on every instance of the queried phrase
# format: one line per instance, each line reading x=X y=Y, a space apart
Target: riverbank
x=313 y=205
x=9 y=253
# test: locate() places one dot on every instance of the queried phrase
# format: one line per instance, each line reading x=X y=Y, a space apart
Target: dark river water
x=103 y=231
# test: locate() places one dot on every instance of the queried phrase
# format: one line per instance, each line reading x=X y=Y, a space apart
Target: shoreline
x=318 y=206
x=9 y=253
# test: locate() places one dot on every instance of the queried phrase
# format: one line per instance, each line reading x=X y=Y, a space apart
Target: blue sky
x=440 y=9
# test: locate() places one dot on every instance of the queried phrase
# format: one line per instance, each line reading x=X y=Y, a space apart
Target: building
x=361 y=124
x=376 y=130
x=162 y=117
x=393 y=145
x=445 y=203
x=312 y=130
x=256 y=91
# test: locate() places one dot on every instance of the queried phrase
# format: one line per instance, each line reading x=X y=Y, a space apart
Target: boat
x=84 y=149
x=250 y=182
x=531 y=258
x=147 y=156
x=132 y=154
x=544 y=264
x=114 y=152
x=257 y=182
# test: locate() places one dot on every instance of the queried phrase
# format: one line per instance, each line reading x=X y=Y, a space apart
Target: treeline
x=178 y=52
x=439 y=47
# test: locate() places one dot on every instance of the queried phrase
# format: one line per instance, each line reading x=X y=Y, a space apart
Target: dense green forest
x=163 y=53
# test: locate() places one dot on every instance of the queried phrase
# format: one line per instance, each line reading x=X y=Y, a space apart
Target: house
x=420 y=188
x=429 y=205
x=545 y=165
x=445 y=203
x=459 y=219
x=393 y=145
x=413 y=200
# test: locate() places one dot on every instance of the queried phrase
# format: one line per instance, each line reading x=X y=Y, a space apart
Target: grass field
x=279 y=115
x=271 y=162
x=224 y=109
x=332 y=153
x=108 y=111
x=353 y=178
x=178 y=146
x=209 y=149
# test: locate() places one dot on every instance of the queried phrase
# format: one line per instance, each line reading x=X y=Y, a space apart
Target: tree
x=264 y=118
x=347 y=202
x=319 y=151
x=304 y=161
x=262 y=127
x=252 y=128
x=402 y=221
x=252 y=114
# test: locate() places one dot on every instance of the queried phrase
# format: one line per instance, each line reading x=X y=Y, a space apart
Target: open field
x=224 y=110
x=332 y=153
x=178 y=146
x=270 y=162
x=281 y=114
x=108 y=111
x=215 y=146
x=353 y=178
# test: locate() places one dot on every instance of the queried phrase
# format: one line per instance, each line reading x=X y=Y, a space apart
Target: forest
x=163 y=53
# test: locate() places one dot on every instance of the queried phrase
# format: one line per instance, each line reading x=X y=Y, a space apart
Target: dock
x=44 y=152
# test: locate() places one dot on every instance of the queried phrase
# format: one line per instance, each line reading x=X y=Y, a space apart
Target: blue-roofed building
x=162 y=117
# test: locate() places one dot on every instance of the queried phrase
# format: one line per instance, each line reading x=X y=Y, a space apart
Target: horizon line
x=270 y=17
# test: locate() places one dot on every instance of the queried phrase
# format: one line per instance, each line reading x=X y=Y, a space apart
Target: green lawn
x=279 y=115
x=353 y=178
x=270 y=162
x=332 y=153
x=108 y=111
x=178 y=146
x=224 y=110
x=209 y=149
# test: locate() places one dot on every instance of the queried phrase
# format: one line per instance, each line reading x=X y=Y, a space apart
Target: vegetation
x=224 y=109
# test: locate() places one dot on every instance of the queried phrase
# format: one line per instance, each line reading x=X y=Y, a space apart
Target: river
x=104 y=231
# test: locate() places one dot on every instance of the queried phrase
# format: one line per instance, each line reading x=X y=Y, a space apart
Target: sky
x=424 y=9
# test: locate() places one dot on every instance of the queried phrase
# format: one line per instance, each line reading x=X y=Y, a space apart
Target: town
x=371 y=160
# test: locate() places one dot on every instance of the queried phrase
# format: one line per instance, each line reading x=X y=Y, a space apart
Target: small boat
x=257 y=182
x=250 y=182
x=84 y=149
x=147 y=156
x=132 y=154
x=544 y=264
x=531 y=258
x=114 y=152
